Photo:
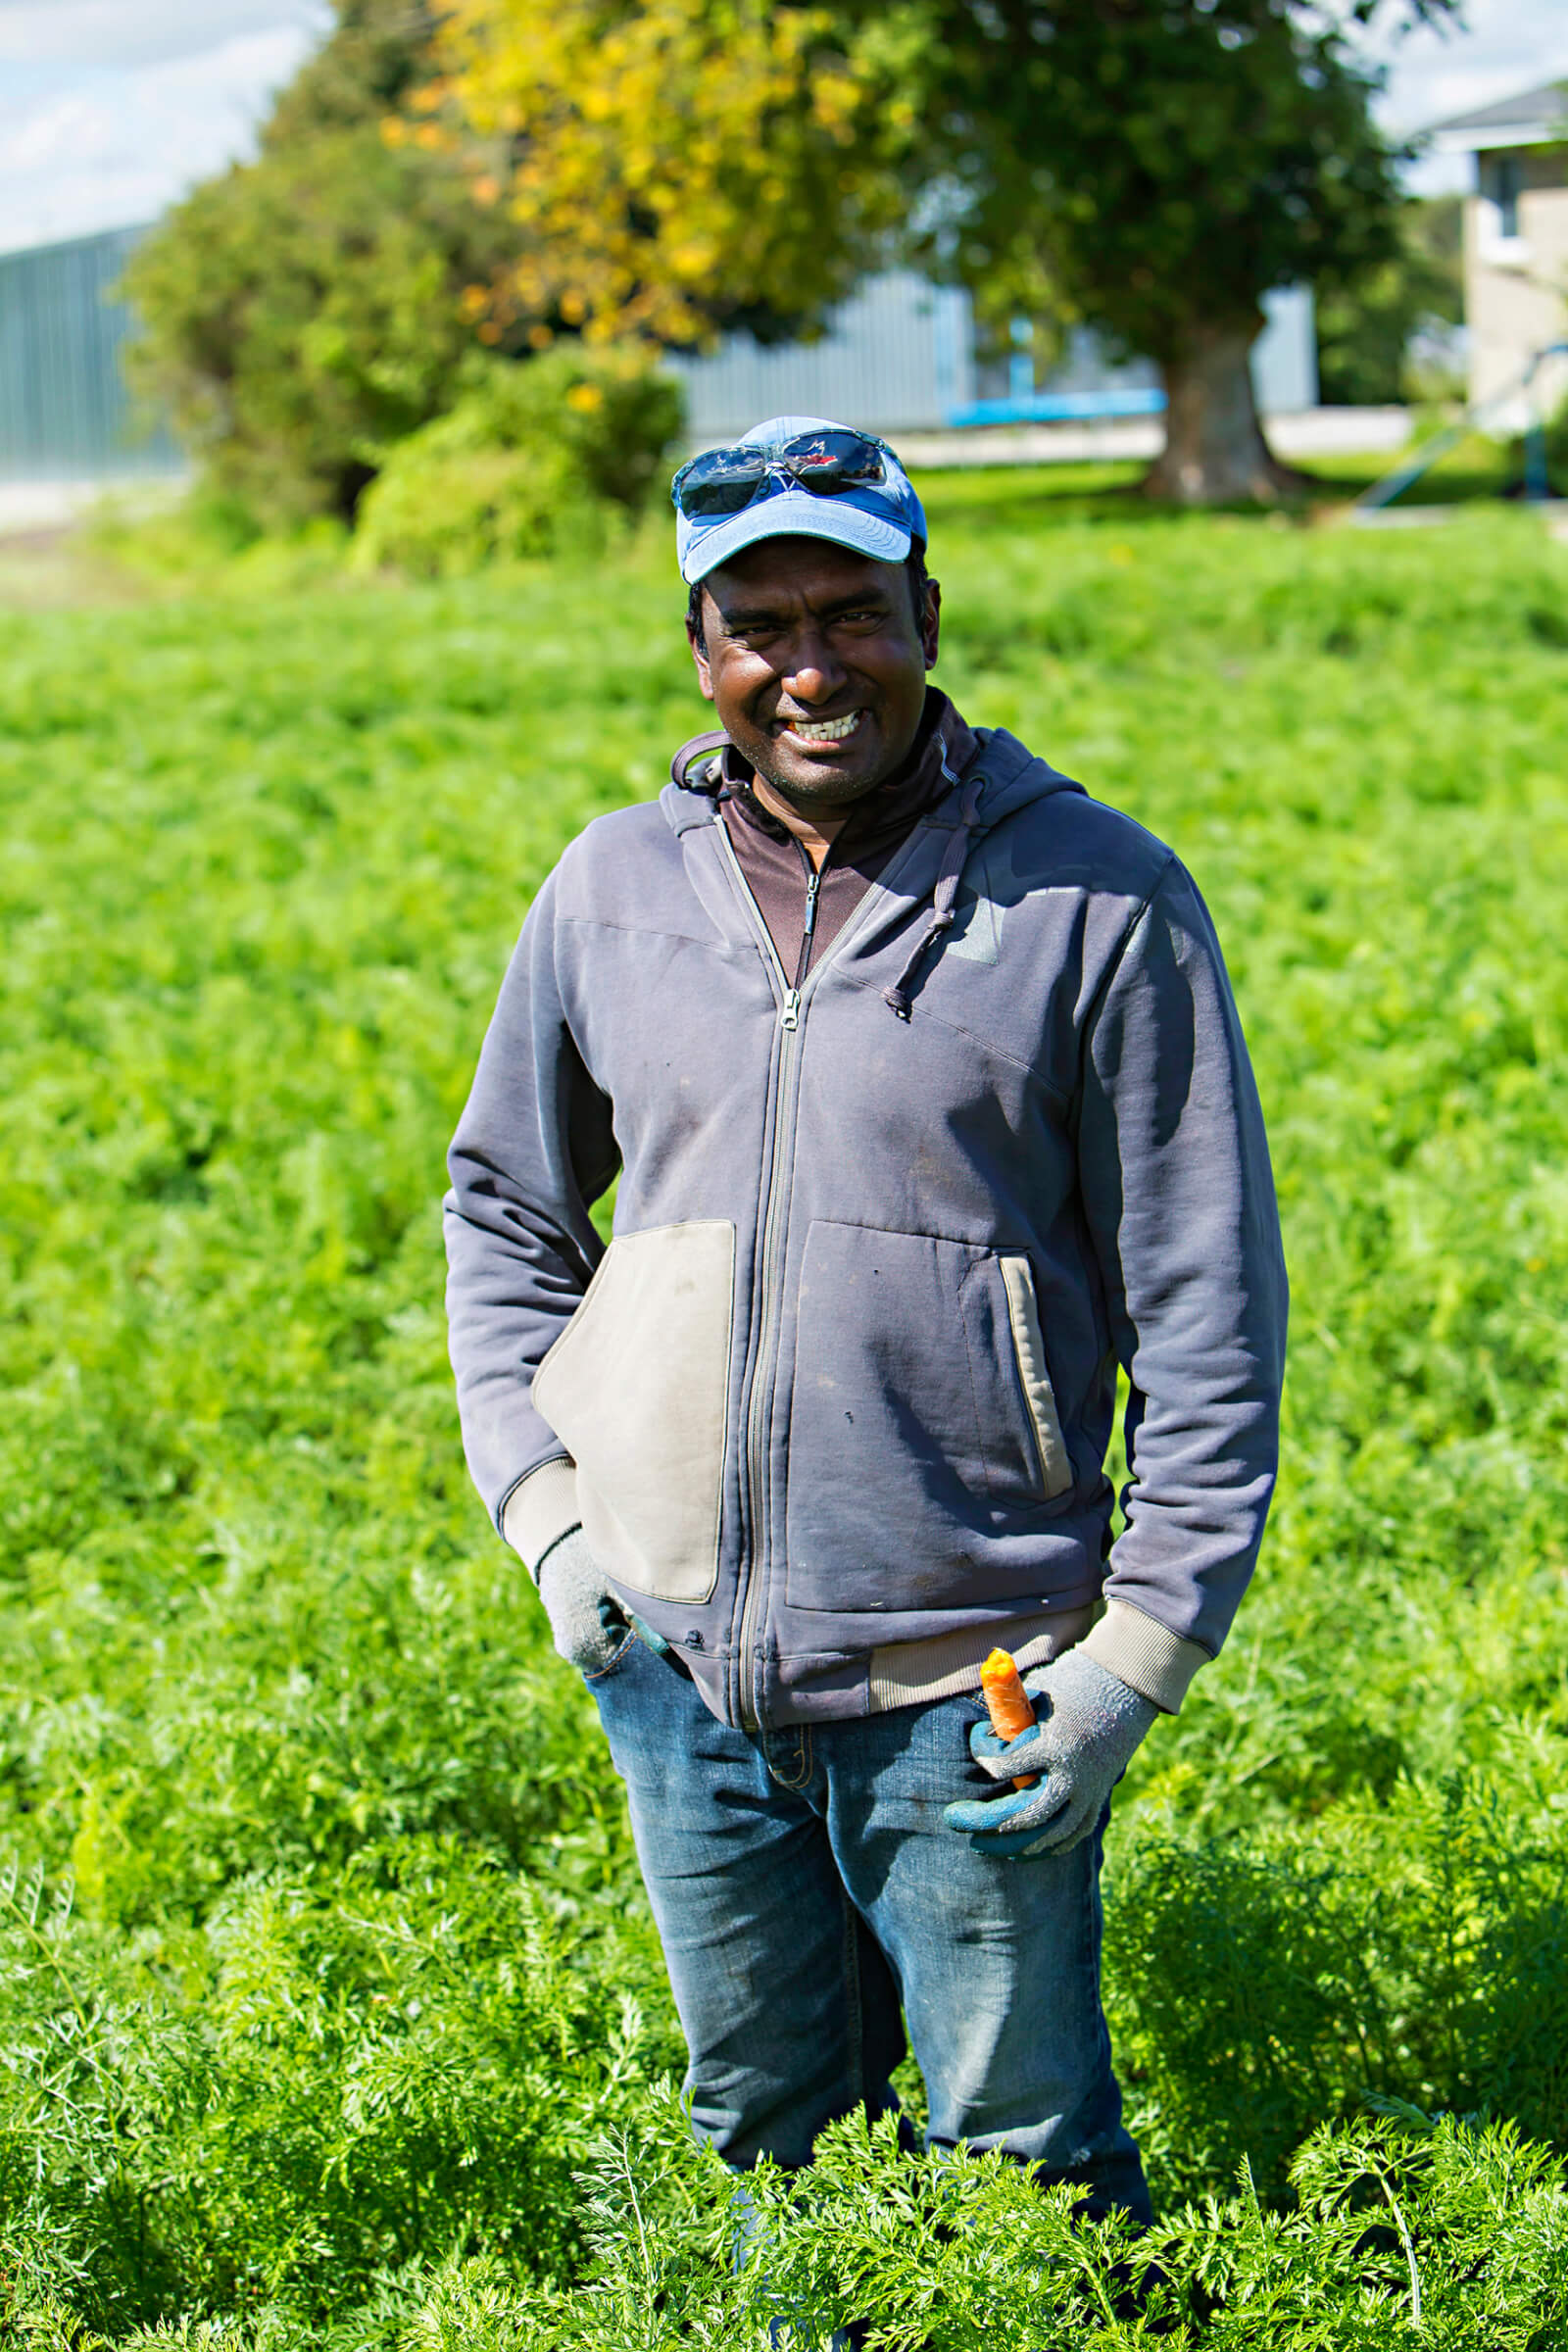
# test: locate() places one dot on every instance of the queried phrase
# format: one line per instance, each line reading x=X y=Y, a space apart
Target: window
x=1501 y=178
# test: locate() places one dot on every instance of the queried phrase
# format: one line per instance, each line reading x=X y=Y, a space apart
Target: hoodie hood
x=1007 y=775
x=1002 y=777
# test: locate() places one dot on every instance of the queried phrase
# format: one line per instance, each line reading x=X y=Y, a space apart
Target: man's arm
x=534 y=1148
x=1179 y=1198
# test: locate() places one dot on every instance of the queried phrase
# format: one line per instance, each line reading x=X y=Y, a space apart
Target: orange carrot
x=1008 y=1705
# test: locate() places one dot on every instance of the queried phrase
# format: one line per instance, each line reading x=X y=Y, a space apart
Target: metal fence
x=64 y=410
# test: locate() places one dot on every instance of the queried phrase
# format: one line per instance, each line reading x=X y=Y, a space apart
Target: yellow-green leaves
x=670 y=165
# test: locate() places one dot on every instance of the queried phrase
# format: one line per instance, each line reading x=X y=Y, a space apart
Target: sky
x=111 y=109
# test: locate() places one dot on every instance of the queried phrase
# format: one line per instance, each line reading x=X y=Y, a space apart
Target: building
x=1515 y=248
x=65 y=412
x=900 y=355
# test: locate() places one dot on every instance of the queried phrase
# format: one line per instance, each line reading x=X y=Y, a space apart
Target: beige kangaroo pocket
x=636 y=1389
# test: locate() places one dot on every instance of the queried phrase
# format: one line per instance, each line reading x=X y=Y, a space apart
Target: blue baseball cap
x=882 y=520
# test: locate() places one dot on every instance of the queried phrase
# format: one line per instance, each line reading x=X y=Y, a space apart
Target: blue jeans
x=808 y=1891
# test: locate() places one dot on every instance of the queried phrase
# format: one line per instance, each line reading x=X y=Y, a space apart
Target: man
x=930 y=1105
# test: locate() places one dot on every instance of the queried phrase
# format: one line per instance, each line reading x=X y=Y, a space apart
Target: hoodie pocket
x=636 y=1389
x=921 y=1423
x=1029 y=1357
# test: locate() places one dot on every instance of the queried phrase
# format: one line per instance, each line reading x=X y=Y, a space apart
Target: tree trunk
x=1215 y=453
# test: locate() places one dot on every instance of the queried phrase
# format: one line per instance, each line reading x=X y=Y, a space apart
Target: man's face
x=816 y=664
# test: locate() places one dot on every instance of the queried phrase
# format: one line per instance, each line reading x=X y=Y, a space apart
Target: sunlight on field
x=356 y=1964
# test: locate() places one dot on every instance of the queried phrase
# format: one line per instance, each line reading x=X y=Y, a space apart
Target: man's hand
x=588 y=1624
x=1088 y=1724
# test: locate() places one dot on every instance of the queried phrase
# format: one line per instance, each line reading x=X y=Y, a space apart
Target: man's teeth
x=824 y=730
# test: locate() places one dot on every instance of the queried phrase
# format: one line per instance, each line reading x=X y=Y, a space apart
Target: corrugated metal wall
x=65 y=412
x=897 y=357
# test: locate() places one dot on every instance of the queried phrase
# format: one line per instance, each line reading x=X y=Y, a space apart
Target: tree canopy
x=676 y=166
x=1153 y=168
x=1149 y=168
x=302 y=312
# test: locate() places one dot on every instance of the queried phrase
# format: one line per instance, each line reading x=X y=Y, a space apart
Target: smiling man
x=930 y=1106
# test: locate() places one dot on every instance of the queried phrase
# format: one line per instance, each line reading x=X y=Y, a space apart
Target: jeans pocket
x=614 y=1663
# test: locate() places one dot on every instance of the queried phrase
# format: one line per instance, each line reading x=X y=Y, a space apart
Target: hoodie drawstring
x=943 y=898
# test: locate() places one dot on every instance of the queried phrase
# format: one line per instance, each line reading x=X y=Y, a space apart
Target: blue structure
x=1477 y=418
x=64 y=410
x=899 y=357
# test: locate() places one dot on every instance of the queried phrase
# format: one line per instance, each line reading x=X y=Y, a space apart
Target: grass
x=324 y=1971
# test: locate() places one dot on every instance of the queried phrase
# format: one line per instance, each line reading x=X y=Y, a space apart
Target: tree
x=304 y=311
x=672 y=166
x=1153 y=168
x=1370 y=333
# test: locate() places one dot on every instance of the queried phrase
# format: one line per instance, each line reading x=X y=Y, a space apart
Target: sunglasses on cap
x=723 y=482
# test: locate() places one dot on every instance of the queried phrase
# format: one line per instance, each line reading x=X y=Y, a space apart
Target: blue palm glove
x=1088 y=1724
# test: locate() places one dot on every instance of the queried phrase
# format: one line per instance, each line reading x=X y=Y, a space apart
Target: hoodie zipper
x=775 y=1219
x=802 y=962
x=773 y=1200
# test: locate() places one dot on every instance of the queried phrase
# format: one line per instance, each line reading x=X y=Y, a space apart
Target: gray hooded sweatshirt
x=833 y=1407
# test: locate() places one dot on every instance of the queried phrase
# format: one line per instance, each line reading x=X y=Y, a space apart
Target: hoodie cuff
x=1156 y=1663
x=541 y=1508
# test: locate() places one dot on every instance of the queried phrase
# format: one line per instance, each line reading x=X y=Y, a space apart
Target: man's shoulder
x=1061 y=837
x=613 y=847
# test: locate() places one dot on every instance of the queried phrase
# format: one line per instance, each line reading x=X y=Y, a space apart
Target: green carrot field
x=329 y=2012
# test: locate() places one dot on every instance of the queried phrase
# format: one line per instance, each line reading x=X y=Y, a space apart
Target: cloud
x=1505 y=46
x=97 y=147
x=139 y=32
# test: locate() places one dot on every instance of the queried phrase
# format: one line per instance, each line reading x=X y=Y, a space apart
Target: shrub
x=310 y=2092
x=306 y=310
x=1397 y=2231
x=533 y=457
x=1413 y=1948
x=1371 y=331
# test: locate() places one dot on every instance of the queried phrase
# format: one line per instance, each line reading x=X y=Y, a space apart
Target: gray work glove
x=587 y=1622
x=1088 y=1724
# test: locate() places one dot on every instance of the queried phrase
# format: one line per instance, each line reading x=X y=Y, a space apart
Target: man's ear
x=705 y=675
x=931 y=622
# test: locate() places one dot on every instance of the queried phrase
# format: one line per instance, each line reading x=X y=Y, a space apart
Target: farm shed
x=66 y=414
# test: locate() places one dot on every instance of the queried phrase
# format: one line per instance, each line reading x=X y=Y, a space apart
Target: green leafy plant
x=331 y=2016
x=534 y=457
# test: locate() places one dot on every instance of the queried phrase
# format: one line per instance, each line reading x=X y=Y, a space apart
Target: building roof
x=1534 y=119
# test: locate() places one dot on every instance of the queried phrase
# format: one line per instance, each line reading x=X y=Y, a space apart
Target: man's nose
x=813 y=674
